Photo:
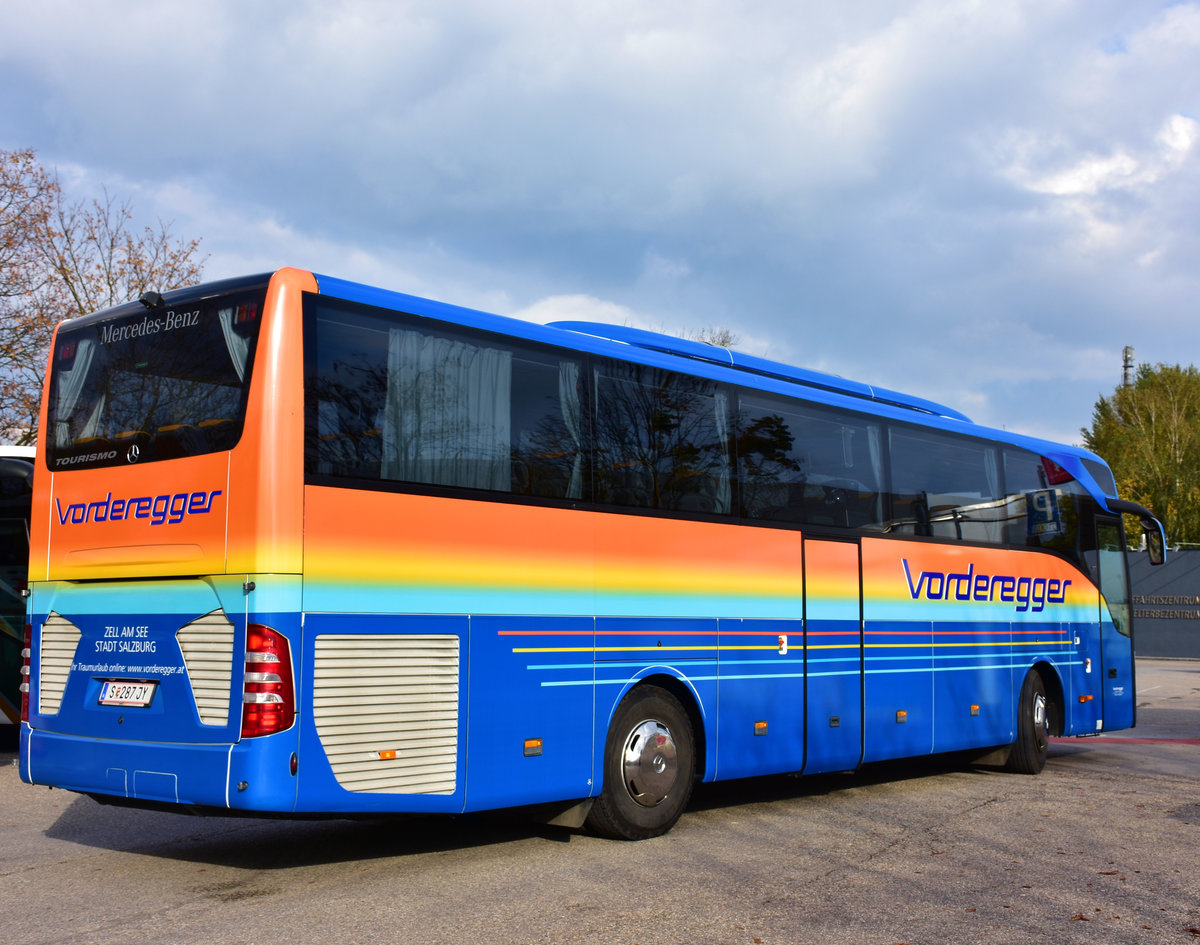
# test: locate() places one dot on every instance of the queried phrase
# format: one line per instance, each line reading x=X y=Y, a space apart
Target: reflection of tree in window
x=661 y=441
x=164 y=392
x=547 y=455
x=808 y=466
x=349 y=397
x=766 y=465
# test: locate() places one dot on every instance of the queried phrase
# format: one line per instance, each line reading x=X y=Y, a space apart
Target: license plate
x=116 y=692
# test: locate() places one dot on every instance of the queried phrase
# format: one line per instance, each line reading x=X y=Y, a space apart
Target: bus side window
x=808 y=466
x=945 y=487
x=397 y=399
x=662 y=441
x=344 y=390
x=547 y=427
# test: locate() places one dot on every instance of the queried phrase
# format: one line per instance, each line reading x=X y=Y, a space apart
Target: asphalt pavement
x=1102 y=847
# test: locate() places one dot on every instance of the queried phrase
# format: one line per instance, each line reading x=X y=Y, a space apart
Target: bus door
x=1115 y=685
x=833 y=647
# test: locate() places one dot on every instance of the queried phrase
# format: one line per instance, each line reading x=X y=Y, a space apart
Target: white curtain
x=568 y=399
x=723 y=499
x=875 y=447
x=70 y=386
x=237 y=346
x=991 y=466
x=447 y=412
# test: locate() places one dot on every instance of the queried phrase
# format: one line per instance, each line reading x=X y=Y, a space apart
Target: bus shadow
x=769 y=788
x=253 y=843
x=268 y=844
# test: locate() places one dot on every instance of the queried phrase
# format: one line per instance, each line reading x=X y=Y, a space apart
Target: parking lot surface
x=1102 y=847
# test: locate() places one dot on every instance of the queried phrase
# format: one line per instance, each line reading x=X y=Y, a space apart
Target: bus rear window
x=150 y=385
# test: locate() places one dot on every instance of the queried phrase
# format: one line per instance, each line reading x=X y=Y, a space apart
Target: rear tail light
x=268 y=696
x=25 y=657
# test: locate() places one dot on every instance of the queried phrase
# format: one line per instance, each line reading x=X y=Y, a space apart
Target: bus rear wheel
x=649 y=765
x=1028 y=753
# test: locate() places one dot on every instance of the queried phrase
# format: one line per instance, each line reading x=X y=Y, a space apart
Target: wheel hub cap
x=1039 y=712
x=649 y=766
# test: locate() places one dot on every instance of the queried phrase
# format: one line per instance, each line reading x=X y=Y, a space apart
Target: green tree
x=60 y=259
x=1149 y=432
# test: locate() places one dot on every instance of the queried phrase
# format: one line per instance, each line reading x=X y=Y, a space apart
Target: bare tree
x=60 y=259
x=715 y=335
x=27 y=197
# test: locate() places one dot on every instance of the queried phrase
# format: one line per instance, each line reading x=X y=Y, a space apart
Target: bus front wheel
x=1028 y=752
x=649 y=765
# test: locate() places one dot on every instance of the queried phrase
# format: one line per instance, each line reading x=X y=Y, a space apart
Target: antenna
x=1127 y=364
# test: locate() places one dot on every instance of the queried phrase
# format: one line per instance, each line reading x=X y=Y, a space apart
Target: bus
x=16 y=492
x=302 y=546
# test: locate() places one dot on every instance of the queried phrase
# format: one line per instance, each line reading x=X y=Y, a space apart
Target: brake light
x=268 y=696
x=25 y=658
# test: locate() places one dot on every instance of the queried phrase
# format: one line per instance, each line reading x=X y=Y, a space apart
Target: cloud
x=1090 y=174
x=979 y=203
x=584 y=308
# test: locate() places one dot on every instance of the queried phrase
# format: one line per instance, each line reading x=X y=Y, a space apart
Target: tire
x=1028 y=753
x=649 y=766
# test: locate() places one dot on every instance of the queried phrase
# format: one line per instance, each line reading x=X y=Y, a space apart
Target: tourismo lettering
x=1023 y=592
x=159 y=509
x=85 y=458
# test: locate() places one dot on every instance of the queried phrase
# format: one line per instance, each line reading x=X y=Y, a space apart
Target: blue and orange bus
x=304 y=546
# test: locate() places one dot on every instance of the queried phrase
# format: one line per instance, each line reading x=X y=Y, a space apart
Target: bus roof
x=671 y=353
x=730 y=366
x=727 y=357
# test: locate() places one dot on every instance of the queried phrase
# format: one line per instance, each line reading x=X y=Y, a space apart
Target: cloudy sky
x=976 y=202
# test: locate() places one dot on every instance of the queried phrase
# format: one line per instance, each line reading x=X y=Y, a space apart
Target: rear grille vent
x=386 y=710
x=60 y=638
x=207 y=647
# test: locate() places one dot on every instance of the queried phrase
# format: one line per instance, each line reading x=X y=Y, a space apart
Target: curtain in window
x=723 y=500
x=875 y=449
x=991 y=468
x=237 y=346
x=568 y=398
x=70 y=386
x=447 y=414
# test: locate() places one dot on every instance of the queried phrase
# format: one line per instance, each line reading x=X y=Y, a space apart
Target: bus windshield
x=152 y=384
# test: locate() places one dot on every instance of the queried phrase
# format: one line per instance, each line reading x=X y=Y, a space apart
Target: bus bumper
x=245 y=777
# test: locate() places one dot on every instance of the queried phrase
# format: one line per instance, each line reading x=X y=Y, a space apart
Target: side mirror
x=1156 y=540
